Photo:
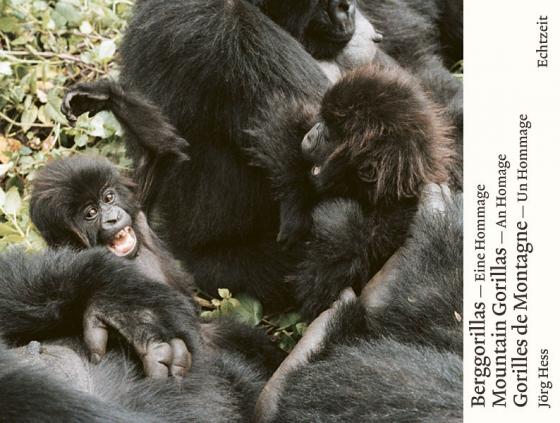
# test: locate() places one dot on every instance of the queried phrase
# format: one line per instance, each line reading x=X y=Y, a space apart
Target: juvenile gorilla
x=84 y=202
x=423 y=36
x=393 y=355
x=378 y=141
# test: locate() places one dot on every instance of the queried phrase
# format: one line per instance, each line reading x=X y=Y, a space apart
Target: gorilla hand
x=144 y=123
x=153 y=322
x=87 y=97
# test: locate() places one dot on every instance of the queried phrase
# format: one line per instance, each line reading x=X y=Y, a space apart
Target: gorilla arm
x=148 y=131
x=60 y=293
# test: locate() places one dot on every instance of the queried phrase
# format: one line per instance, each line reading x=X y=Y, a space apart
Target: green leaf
x=23 y=40
x=52 y=108
x=12 y=202
x=10 y=24
x=286 y=320
x=249 y=311
x=210 y=314
x=40 y=6
x=43 y=116
x=69 y=12
x=287 y=343
x=81 y=140
x=228 y=306
x=13 y=239
x=5 y=69
x=106 y=50
x=300 y=328
x=224 y=293
x=28 y=117
x=3 y=170
x=86 y=27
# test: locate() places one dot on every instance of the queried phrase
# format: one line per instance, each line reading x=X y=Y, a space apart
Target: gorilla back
x=211 y=65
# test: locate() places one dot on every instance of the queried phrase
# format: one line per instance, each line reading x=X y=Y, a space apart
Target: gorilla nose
x=111 y=218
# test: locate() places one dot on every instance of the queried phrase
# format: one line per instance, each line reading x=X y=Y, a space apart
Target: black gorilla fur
x=394 y=355
x=219 y=215
x=413 y=39
x=215 y=212
x=379 y=141
x=44 y=298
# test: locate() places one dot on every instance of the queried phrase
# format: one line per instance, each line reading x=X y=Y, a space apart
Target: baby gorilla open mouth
x=123 y=243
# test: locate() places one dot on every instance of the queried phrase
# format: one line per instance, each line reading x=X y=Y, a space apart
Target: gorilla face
x=84 y=202
x=105 y=220
x=334 y=21
x=332 y=171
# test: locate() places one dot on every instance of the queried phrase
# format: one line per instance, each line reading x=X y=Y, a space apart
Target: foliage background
x=46 y=46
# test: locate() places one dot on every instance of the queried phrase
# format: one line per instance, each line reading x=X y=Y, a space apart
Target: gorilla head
x=324 y=27
x=379 y=136
x=83 y=202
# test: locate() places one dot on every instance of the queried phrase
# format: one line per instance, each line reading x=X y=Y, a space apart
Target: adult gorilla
x=212 y=66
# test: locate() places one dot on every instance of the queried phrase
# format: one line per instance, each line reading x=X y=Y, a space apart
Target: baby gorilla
x=84 y=202
x=376 y=141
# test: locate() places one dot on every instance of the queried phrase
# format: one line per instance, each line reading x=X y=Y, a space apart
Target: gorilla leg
x=346 y=248
x=336 y=256
x=251 y=343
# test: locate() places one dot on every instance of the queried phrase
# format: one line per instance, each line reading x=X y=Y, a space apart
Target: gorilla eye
x=91 y=213
x=109 y=197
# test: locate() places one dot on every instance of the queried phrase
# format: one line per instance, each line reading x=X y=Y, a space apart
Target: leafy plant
x=286 y=328
x=44 y=47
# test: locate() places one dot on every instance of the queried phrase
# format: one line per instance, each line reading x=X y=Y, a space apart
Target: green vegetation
x=44 y=47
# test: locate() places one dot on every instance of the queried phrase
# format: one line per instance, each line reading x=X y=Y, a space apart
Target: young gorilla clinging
x=378 y=141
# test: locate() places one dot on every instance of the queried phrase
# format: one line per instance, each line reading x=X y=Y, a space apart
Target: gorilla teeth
x=315 y=170
x=124 y=242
